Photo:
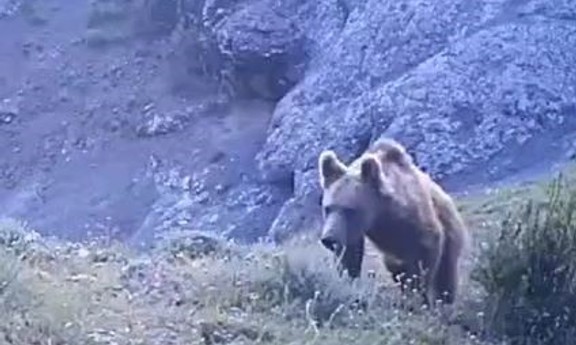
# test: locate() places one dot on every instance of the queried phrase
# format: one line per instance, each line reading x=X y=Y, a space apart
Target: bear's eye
x=329 y=209
x=349 y=212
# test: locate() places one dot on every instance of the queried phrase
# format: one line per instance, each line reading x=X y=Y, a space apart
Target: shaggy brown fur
x=384 y=196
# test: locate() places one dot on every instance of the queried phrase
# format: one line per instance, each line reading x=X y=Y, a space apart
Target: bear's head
x=350 y=205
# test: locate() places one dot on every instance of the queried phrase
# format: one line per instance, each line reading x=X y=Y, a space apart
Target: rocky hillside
x=129 y=117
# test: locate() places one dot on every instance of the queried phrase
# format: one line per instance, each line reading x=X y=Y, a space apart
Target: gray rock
x=157 y=124
x=250 y=48
x=162 y=16
x=8 y=111
x=557 y=9
x=187 y=203
x=470 y=89
x=301 y=212
x=260 y=48
x=497 y=99
x=380 y=42
x=9 y=7
x=264 y=49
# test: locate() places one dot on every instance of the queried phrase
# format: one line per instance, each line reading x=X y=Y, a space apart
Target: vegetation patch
x=198 y=289
x=529 y=272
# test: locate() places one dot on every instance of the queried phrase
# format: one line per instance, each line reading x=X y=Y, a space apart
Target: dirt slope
x=83 y=146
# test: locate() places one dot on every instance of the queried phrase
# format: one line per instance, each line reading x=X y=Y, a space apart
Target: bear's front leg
x=350 y=260
x=398 y=270
x=429 y=264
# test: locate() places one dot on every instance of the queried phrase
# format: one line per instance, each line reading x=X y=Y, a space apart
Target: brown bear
x=384 y=196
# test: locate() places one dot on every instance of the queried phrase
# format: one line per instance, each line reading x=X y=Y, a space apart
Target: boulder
x=265 y=51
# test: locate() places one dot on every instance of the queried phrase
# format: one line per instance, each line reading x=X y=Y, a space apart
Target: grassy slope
x=57 y=293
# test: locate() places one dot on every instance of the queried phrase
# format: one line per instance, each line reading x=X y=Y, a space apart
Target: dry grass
x=207 y=291
x=69 y=294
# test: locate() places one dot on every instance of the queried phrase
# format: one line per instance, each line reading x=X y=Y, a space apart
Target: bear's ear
x=330 y=168
x=371 y=171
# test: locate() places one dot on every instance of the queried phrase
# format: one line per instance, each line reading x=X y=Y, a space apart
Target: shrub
x=529 y=272
x=16 y=237
x=193 y=244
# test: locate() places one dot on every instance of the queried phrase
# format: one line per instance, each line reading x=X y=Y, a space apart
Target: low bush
x=529 y=272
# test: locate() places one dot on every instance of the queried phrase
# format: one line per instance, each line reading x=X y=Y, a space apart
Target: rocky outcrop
x=264 y=49
x=256 y=49
x=492 y=103
x=475 y=91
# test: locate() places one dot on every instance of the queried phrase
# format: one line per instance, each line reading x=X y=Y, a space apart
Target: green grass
x=194 y=289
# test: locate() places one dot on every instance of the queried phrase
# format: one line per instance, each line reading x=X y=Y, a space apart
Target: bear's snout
x=330 y=243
